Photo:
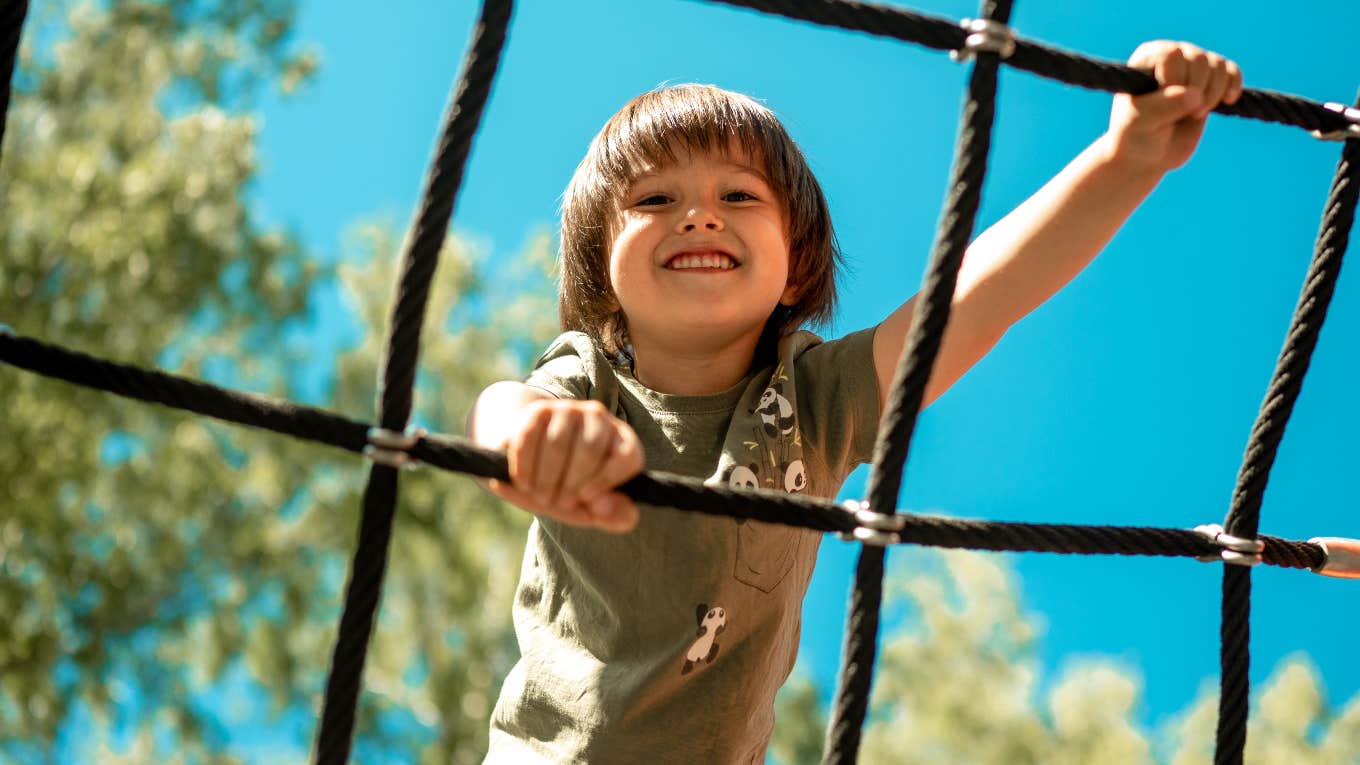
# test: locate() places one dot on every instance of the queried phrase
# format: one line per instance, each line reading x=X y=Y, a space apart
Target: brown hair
x=646 y=133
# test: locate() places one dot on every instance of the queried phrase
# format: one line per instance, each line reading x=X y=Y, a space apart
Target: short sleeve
x=574 y=368
x=839 y=399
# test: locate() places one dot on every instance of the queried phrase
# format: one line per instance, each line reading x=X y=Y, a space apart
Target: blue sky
x=1127 y=399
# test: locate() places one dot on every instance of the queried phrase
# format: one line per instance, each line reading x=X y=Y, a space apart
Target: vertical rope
x=908 y=391
x=369 y=566
x=1285 y=384
x=11 y=24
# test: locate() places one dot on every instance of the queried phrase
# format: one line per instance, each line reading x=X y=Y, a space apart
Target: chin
x=710 y=332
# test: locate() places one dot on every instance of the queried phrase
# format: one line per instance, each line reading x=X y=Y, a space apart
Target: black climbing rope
x=11 y=24
x=418 y=266
x=908 y=389
x=991 y=43
x=1266 y=434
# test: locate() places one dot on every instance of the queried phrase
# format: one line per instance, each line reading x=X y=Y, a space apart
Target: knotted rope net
x=989 y=43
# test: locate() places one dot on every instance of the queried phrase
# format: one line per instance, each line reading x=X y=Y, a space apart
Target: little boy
x=695 y=243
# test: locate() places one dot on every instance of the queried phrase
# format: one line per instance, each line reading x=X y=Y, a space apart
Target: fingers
x=564 y=459
x=1197 y=68
x=1159 y=130
x=524 y=446
x=1168 y=105
x=588 y=451
x=624 y=462
x=576 y=514
x=613 y=511
x=1234 y=91
x=1216 y=82
x=1169 y=64
x=1207 y=78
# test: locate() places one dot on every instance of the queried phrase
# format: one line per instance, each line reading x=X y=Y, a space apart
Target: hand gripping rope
x=985 y=42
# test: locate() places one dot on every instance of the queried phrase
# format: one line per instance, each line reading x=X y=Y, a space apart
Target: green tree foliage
x=962 y=683
x=146 y=555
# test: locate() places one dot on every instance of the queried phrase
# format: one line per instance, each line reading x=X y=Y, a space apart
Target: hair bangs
x=659 y=126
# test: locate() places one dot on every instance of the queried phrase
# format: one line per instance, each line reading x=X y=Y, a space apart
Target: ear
x=790 y=296
x=699 y=613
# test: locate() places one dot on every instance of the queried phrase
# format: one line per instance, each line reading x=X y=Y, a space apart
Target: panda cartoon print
x=765 y=451
x=793 y=480
x=712 y=622
x=775 y=412
x=781 y=465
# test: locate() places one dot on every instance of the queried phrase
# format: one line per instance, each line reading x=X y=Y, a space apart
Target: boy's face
x=700 y=253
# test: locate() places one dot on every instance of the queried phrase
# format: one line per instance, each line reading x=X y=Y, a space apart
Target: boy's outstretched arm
x=566 y=457
x=1029 y=255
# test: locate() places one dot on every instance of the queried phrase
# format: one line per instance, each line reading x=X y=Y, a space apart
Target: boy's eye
x=738 y=196
x=652 y=200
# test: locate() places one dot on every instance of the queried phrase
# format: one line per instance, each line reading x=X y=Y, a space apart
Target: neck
x=689 y=369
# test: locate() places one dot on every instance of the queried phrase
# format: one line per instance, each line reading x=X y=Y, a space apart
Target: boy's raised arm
x=1029 y=255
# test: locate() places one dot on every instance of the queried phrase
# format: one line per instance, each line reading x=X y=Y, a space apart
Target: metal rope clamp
x=873 y=528
x=984 y=36
x=1350 y=131
x=1236 y=550
x=393 y=449
x=1340 y=557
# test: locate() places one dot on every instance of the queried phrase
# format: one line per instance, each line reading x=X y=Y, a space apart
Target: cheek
x=775 y=235
x=617 y=276
x=616 y=260
x=618 y=264
x=629 y=254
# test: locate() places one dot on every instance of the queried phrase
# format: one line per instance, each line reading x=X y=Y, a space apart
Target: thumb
x=1168 y=105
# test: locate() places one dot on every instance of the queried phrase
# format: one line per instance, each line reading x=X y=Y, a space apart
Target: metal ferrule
x=390 y=448
x=873 y=528
x=985 y=36
x=1239 y=551
x=1340 y=557
x=1350 y=131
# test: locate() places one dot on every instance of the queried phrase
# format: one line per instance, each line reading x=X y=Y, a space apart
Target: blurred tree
x=148 y=557
x=961 y=683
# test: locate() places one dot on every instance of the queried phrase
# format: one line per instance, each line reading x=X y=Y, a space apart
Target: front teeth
x=703 y=261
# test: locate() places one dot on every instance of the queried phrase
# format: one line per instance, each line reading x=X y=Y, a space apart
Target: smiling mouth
x=689 y=261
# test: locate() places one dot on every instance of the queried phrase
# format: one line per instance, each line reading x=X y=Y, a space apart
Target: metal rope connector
x=1350 y=131
x=1236 y=550
x=1340 y=557
x=985 y=36
x=390 y=448
x=878 y=529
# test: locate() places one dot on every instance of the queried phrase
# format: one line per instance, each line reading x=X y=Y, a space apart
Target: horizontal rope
x=460 y=455
x=941 y=33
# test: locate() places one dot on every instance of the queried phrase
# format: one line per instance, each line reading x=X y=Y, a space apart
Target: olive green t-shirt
x=667 y=644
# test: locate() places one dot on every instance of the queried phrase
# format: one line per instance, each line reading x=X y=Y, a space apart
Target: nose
x=700 y=216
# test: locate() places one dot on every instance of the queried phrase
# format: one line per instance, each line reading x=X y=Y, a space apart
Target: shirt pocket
x=766 y=553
